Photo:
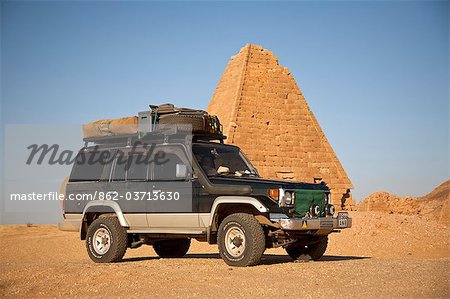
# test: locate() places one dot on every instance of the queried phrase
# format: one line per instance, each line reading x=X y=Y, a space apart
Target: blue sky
x=376 y=74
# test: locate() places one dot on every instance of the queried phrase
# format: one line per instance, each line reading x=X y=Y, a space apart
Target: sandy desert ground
x=383 y=255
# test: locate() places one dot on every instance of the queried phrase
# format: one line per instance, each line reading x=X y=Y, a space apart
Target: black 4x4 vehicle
x=190 y=187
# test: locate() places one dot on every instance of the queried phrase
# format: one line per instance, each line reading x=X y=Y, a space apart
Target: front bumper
x=322 y=223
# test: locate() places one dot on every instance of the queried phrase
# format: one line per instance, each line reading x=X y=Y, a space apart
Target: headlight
x=286 y=198
x=314 y=210
x=330 y=209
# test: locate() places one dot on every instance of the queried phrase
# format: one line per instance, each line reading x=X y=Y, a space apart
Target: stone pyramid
x=264 y=112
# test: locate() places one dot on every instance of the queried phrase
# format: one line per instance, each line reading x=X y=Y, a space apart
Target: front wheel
x=241 y=240
x=106 y=240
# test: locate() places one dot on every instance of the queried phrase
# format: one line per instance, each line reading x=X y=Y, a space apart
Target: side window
x=130 y=167
x=89 y=166
x=167 y=169
x=138 y=168
x=170 y=159
x=120 y=167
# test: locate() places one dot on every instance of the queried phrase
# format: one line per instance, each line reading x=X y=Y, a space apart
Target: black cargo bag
x=184 y=119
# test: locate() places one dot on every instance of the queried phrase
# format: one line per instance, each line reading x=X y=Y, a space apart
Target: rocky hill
x=433 y=206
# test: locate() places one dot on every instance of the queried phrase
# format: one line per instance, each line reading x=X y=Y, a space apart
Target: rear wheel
x=241 y=240
x=106 y=240
x=315 y=250
x=172 y=248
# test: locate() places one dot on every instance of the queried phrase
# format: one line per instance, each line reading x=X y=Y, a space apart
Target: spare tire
x=314 y=250
x=172 y=248
x=183 y=122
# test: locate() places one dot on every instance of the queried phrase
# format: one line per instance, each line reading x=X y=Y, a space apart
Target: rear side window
x=89 y=166
x=120 y=171
x=138 y=168
x=130 y=167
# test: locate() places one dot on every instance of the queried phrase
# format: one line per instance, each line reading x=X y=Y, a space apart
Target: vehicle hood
x=267 y=183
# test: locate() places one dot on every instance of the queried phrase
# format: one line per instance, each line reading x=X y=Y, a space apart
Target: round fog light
x=314 y=210
x=330 y=210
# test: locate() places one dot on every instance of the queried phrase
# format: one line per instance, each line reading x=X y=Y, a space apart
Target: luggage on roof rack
x=162 y=119
x=184 y=119
x=111 y=127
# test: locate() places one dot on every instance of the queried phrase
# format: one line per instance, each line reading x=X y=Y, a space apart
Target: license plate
x=342 y=219
x=342 y=222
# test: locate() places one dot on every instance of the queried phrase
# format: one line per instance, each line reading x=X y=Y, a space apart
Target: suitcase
x=184 y=119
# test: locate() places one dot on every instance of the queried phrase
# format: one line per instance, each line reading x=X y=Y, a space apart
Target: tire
x=315 y=250
x=294 y=251
x=183 y=122
x=241 y=240
x=172 y=248
x=108 y=230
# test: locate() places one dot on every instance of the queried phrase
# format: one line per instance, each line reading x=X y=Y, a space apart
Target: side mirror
x=181 y=171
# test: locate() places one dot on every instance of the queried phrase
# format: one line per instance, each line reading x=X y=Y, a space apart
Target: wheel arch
x=224 y=206
x=94 y=209
x=223 y=202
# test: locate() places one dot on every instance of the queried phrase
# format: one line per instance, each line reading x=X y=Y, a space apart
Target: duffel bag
x=111 y=127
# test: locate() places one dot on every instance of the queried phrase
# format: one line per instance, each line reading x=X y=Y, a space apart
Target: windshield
x=222 y=160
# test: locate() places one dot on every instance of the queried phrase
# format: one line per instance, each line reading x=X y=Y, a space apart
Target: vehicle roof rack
x=208 y=137
x=113 y=139
x=157 y=136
